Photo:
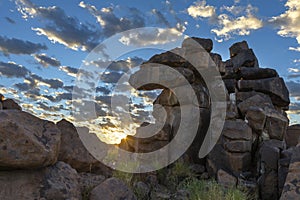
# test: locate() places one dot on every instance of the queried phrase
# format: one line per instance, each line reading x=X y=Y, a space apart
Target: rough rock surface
x=72 y=150
x=292 y=136
x=57 y=182
x=27 y=142
x=112 y=188
x=291 y=189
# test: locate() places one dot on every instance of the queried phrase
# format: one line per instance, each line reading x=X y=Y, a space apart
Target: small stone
x=112 y=188
x=226 y=179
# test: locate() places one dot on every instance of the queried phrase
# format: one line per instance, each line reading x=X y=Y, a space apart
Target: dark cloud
x=9 y=20
x=111 y=77
x=103 y=90
x=294 y=89
x=60 y=28
x=294 y=76
x=53 y=83
x=71 y=71
x=111 y=24
x=294 y=108
x=161 y=18
x=44 y=60
x=11 y=69
x=46 y=107
x=17 y=46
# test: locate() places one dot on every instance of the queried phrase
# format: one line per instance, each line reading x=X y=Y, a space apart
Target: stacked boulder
x=252 y=142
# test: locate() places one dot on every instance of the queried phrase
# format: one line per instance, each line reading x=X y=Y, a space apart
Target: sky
x=44 y=44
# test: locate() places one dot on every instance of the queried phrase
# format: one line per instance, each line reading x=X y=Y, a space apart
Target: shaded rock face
x=72 y=150
x=27 y=142
x=59 y=181
x=112 y=188
x=292 y=137
x=291 y=189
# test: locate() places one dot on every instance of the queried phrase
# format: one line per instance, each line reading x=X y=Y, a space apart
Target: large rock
x=112 y=188
x=259 y=101
x=27 y=142
x=245 y=58
x=236 y=48
x=158 y=77
x=219 y=158
x=10 y=104
x=269 y=154
x=291 y=189
x=275 y=87
x=237 y=130
x=276 y=124
x=72 y=150
x=206 y=44
x=247 y=73
x=292 y=136
x=198 y=96
x=57 y=182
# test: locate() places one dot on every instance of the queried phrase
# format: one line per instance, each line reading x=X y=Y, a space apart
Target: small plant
x=86 y=193
x=210 y=190
x=127 y=178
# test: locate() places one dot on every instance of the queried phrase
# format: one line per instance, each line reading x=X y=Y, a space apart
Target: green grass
x=210 y=190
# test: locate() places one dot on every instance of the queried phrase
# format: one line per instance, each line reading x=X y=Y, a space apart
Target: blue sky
x=43 y=43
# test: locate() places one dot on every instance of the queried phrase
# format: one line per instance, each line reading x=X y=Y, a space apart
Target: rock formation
x=252 y=145
x=256 y=150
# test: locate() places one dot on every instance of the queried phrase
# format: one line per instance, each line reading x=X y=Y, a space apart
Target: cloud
x=200 y=9
x=288 y=22
x=71 y=71
x=12 y=69
x=44 y=60
x=151 y=36
x=17 y=46
x=294 y=108
x=294 y=49
x=294 y=72
x=60 y=28
x=9 y=20
x=160 y=18
x=294 y=89
x=110 y=23
x=51 y=83
x=241 y=25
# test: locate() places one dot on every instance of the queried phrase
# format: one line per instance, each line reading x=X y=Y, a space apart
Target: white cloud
x=288 y=22
x=239 y=26
x=200 y=9
x=151 y=36
x=294 y=49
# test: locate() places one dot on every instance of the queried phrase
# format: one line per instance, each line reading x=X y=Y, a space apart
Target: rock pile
x=252 y=147
x=43 y=160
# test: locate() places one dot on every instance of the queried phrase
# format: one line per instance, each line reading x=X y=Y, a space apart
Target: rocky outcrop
x=26 y=141
x=252 y=140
